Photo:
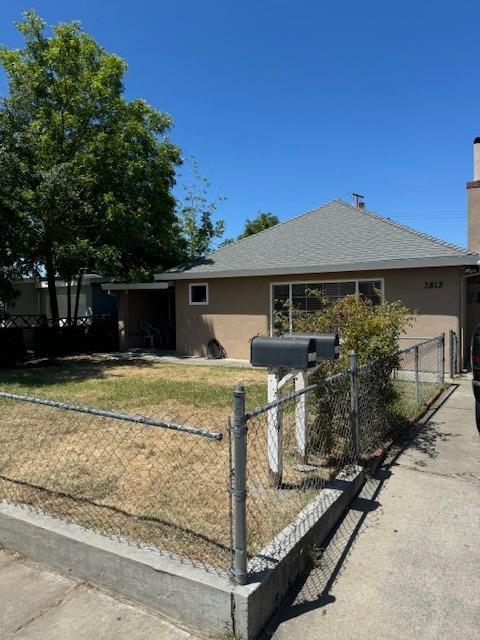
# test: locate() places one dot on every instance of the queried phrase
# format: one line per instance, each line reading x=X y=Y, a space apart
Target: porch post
x=123 y=320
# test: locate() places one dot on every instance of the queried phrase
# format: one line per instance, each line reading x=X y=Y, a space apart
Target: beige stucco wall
x=237 y=311
x=239 y=308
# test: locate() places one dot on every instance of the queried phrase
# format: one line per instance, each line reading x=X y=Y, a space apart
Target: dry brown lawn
x=146 y=484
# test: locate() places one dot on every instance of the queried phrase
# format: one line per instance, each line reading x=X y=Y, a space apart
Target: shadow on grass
x=47 y=372
x=122 y=381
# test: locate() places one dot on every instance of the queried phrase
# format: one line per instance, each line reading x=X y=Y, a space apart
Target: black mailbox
x=327 y=344
x=287 y=352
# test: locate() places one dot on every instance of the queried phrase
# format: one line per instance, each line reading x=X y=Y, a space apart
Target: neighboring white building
x=35 y=300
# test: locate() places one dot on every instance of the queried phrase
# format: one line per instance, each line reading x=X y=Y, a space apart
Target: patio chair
x=150 y=334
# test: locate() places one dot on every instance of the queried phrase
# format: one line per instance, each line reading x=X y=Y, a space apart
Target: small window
x=198 y=293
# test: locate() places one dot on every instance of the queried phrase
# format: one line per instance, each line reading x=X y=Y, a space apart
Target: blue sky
x=286 y=105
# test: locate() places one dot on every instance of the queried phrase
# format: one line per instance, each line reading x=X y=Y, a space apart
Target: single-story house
x=234 y=293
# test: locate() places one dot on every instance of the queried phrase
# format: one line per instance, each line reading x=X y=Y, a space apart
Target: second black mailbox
x=287 y=351
x=327 y=344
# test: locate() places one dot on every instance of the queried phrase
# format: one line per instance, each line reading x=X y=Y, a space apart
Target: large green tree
x=196 y=212
x=93 y=171
x=264 y=220
x=11 y=240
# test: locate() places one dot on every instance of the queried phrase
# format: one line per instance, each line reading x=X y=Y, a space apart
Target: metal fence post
x=441 y=359
x=417 y=376
x=354 y=418
x=240 y=484
x=451 y=349
x=455 y=353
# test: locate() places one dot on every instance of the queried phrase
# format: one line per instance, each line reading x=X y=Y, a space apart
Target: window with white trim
x=198 y=293
x=308 y=297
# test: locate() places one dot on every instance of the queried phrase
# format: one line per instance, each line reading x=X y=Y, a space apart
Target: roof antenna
x=359 y=200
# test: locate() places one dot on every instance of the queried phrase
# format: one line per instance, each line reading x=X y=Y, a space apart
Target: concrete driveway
x=405 y=563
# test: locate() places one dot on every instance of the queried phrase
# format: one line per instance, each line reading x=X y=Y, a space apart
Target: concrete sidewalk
x=39 y=604
x=405 y=563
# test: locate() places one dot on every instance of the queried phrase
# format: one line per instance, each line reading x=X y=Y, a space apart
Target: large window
x=309 y=297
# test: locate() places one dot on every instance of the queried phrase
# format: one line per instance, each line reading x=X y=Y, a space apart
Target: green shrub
x=372 y=331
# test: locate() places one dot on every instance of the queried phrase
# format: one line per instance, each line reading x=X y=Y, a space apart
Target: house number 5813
x=433 y=284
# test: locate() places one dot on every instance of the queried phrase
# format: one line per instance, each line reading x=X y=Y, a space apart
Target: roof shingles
x=332 y=235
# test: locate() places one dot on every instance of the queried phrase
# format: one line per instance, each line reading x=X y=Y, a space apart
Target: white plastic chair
x=150 y=334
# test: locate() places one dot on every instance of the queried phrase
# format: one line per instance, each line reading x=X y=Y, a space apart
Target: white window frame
x=197 y=284
x=290 y=283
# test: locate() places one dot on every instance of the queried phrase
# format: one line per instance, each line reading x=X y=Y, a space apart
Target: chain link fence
x=298 y=444
x=294 y=447
x=157 y=482
x=394 y=390
x=232 y=499
x=454 y=353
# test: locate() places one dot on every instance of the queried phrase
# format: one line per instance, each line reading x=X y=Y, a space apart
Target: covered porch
x=146 y=314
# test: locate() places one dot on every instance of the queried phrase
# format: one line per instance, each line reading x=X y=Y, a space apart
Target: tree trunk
x=69 y=301
x=52 y=289
x=77 y=298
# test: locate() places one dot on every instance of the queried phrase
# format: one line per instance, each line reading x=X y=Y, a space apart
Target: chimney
x=473 y=201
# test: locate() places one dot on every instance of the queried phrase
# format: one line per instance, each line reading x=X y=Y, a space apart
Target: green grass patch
x=407 y=404
x=140 y=386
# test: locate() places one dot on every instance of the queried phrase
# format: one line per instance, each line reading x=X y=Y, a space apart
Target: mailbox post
x=327 y=347
x=290 y=357
x=301 y=416
x=274 y=430
x=285 y=358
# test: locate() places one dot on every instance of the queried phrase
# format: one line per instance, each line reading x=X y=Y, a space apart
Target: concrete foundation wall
x=239 y=308
x=178 y=590
x=256 y=602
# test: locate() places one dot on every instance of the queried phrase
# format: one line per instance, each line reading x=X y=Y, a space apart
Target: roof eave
x=404 y=263
x=134 y=286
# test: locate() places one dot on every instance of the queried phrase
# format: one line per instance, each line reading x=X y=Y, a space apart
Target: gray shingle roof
x=335 y=237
